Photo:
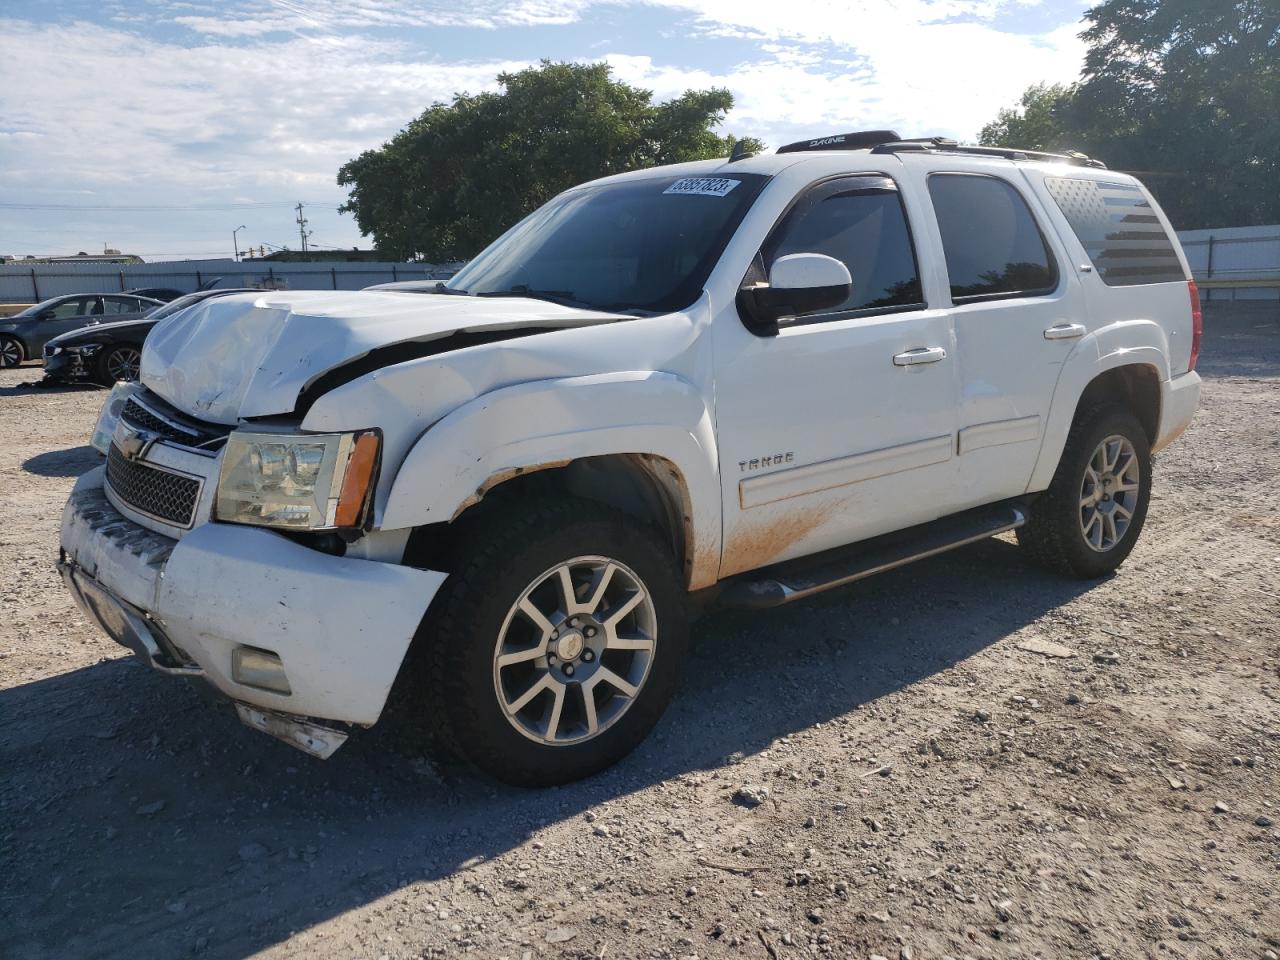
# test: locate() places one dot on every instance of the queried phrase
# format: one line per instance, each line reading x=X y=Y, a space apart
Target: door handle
x=1065 y=331
x=919 y=355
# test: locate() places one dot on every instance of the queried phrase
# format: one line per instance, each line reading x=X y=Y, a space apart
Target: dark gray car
x=23 y=336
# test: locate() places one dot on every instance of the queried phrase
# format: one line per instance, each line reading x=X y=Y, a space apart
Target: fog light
x=259 y=668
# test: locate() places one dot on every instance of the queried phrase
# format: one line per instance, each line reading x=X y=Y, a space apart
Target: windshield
x=639 y=245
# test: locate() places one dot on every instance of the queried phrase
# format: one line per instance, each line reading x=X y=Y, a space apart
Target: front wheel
x=119 y=363
x=556 y=644
x=1088 y=521
x=11 y=352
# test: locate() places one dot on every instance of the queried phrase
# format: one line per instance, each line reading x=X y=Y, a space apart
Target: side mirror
x=45 y=314
x=799 y=283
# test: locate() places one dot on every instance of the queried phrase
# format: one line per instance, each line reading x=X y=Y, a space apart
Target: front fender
x=550 y=422
x=1126 y=343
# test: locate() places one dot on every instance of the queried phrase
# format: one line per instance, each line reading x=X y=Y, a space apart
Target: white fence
x=1235 y=263
x=30 y=283
x=1229 y=263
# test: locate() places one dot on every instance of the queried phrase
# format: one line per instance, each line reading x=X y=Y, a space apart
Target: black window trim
x=1044 y=240
x=836 y=316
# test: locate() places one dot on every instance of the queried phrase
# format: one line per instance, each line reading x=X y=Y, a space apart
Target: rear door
x=1018 y=311
x=122 y=308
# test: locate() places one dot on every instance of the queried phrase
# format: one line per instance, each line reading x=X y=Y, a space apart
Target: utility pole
x=235 y=242
x=303 y=232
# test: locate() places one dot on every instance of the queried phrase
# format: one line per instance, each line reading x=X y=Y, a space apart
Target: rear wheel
x=120 y=363
x=556 y=644
x=11 y=352
x=1089 y=519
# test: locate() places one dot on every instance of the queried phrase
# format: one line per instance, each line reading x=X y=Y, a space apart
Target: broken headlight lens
x=303 y=482
x=105 y=428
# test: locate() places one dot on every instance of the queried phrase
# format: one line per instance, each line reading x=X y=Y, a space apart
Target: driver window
x=860 y=222
x=76 y=307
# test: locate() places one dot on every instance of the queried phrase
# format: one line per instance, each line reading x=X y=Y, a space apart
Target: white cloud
x=145 y=122
x=906 y=64
x=265 y=99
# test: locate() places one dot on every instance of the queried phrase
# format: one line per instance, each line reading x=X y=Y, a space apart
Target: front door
x=842 y=426
x=71 y=314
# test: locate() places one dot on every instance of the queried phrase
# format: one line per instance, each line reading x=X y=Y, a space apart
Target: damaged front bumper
x=339 y=627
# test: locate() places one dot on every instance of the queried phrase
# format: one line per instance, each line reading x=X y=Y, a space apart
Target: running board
x=796 y=579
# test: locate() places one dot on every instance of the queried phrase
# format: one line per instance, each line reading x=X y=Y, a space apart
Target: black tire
x=11 y=352
x=499 y=557
x=114 y=355
x=1054 y=537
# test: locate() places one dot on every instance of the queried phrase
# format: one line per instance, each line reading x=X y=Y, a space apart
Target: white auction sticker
x=703 y=186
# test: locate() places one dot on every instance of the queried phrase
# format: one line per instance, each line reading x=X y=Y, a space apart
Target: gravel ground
x=963 y=758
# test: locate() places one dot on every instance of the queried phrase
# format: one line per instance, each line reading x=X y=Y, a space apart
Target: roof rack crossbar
x=943 y=144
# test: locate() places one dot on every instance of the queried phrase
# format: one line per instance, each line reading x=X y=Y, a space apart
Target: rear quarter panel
x=1147 y=324
x=1165 y=304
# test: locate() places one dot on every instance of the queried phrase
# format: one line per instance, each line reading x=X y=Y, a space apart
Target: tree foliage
x=1184 y=93
x=1034 y=124
x=462 y=172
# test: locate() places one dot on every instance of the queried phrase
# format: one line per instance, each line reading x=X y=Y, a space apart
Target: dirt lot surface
x=964 y=758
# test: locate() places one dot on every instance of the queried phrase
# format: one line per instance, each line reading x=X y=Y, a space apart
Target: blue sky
x=158 y=126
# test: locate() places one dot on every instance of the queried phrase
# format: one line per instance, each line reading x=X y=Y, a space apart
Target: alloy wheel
x=123 y=363
x=1109 y=493
x=575 y=650
x=10 y=353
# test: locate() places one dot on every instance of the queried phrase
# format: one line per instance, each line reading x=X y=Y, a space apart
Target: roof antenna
x=740 y=151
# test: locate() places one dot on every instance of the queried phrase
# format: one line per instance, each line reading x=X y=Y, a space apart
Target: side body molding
x=547 y=422
x=1125 y=343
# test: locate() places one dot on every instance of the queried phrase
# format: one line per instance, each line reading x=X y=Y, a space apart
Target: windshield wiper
x=449 y=291
x=563 y=297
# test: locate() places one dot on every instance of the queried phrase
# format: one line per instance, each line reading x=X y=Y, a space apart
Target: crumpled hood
x=250 y=355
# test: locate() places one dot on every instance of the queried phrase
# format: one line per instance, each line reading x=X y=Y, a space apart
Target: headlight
x=85 y=349
x=297 y=482
x=110 y=415
x=51 y=351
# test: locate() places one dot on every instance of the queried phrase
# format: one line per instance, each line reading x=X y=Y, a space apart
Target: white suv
x=750 y=380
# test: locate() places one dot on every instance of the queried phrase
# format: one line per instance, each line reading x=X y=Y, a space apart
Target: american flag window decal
x=1119 y=230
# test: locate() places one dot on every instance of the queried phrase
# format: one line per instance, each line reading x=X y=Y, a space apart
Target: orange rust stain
x=756 y=543
x=500 y=477
x=704 y=562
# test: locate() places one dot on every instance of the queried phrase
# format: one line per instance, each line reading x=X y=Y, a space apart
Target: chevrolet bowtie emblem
x=133 y=443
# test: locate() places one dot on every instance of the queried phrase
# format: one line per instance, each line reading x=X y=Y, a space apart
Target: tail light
x=1197 y=323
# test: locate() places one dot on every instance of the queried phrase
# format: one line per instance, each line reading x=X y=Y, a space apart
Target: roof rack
x=888 y=141
x=944 y=144
x=858 y=140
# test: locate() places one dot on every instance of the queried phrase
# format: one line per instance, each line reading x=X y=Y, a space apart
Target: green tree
x=1033 y=124
x=1183 y=93
x=462 y=172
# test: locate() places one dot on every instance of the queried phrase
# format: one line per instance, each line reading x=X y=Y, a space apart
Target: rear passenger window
x=993 y=247
x=860 y=222
x=1122 y=235
x=119 y=305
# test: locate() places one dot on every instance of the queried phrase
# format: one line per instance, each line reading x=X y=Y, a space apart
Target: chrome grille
x=169 y=497
x=136 y=415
